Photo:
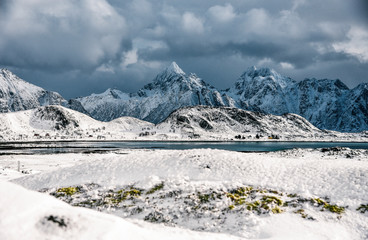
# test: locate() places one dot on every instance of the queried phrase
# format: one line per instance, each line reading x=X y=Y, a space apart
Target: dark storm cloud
x=300 y=56
x=363 y=6
x=3 y=5
x=123 y=44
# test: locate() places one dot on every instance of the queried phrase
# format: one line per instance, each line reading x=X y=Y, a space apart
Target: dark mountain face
x=355 y=111
x=321 y=101
x=55 y=114
x=263 y=90
x=328 y=104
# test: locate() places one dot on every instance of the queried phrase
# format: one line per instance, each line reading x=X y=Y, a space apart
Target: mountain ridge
x=17 y=95
x=328 y=104
x=323 y=102
x=171 y=89
x=198 y=120
x=58 y=122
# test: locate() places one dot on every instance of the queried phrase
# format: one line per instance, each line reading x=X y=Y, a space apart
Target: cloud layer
x=96 y=44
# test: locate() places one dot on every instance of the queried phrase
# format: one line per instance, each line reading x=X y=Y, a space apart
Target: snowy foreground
x=192 y=194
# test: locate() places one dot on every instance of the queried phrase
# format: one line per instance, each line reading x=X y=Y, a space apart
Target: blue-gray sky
x=77 y=47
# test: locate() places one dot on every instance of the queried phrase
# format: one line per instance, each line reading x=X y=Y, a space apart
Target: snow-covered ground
x=56 y=123
x=31 y=215
x=294 y=194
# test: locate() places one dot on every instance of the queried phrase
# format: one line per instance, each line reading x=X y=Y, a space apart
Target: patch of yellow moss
x=68 y=190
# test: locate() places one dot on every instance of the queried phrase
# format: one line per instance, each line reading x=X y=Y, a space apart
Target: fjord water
x=95 y=147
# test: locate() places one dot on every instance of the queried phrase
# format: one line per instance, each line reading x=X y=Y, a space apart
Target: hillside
x=230 y=122
x=18 y=95
x=57 y=122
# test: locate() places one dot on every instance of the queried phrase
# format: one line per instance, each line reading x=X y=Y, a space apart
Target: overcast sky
x=77 y=47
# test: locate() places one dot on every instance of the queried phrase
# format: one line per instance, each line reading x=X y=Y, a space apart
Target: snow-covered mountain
x=322 y=102
x=57 y=122
x=195 y=122
x=354 y=115
x=17 y=95
x=170 y=90
x=263 y=90
x=327 y=104
x=221 y=121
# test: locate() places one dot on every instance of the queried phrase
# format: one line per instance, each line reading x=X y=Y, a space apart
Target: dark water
x=100 y=147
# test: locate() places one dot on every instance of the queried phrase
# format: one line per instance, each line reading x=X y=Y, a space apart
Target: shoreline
x=178 y=141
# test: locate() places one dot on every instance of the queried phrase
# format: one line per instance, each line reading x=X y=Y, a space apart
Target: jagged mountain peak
x=113 y=92
x=255 y=80
x=18 y=95
x=254 y=72
x=11 y=85
x=324 y=84
x=172 y=72
x=174 y=77
x=362 y=86
x=110 y=93
x=262 y=76
x=323 y=102
x=174 y=68
x=7 y=75
x=360 y=91
x=5 y=71
x=170 y=90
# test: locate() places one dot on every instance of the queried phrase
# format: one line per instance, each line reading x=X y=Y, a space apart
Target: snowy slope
x=198 y=122
x=57 y=122
x=225 y=121
x=199 y=185
x=30 y=215
x=17 y=95
x=170 y=90
x=105 y=106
